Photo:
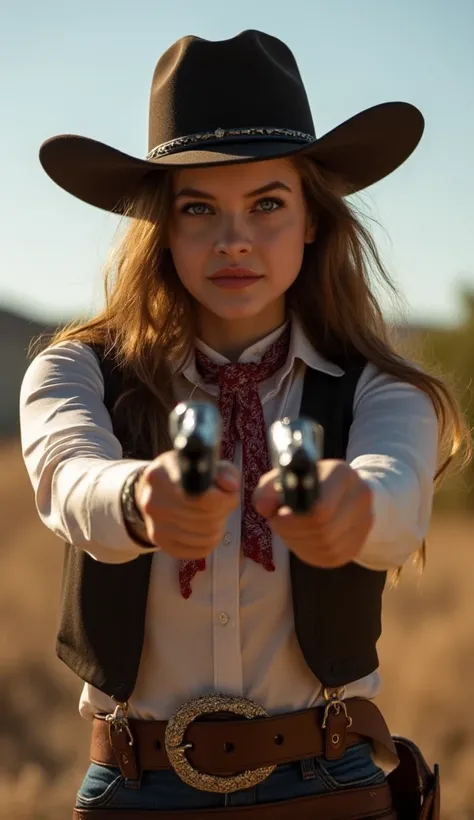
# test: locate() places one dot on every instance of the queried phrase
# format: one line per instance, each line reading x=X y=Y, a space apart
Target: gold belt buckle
x=176 y=746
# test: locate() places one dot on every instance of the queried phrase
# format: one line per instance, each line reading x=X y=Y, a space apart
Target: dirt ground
x=426 y=654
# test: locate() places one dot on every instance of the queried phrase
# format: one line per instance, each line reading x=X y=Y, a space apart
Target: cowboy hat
x=228 y=101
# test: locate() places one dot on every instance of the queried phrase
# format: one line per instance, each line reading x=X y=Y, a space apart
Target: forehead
x=240 y=178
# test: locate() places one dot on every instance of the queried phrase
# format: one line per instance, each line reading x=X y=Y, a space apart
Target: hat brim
x=363 y=150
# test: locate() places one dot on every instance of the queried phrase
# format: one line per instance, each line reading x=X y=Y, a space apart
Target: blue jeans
x=104 y=786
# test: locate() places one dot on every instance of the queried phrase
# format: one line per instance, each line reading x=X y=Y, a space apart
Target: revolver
x=295 y=448
x=195 y=430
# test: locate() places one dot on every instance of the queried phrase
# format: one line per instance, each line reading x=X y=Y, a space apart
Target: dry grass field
x=427 y=658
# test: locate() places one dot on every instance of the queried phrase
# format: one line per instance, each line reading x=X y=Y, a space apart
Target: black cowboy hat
x=229 y=101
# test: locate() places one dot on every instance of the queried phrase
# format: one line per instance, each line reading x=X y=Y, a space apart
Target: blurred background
x=86 y=68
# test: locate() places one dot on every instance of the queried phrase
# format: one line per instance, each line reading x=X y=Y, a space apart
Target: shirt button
x=227 y=538
x=224 y=618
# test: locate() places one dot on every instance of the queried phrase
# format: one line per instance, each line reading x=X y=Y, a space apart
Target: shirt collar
x=300 y=348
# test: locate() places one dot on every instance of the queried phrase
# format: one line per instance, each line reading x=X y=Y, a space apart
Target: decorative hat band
x=221 y=134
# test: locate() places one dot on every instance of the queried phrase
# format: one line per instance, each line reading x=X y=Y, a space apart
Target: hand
x=184 y=526
x=334 y=531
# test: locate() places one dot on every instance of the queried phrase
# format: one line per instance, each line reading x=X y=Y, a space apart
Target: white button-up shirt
x=235 y=634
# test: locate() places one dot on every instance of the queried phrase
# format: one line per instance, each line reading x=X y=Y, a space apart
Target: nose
x=233 y=240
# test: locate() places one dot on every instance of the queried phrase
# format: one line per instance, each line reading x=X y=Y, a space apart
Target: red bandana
x=242 y=419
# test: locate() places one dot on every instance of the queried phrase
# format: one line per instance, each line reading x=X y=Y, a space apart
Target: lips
x=235 y=273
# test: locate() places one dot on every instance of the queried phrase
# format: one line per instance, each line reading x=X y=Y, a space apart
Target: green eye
x=195 y=209
x=270 y=205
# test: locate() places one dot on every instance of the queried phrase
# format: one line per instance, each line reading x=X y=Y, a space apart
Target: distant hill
x=16 y=333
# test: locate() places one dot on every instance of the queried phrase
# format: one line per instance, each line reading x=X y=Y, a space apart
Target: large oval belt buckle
x=176 y=746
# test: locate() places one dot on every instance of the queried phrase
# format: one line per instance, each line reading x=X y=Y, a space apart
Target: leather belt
x=217 y=748
x=372 y=803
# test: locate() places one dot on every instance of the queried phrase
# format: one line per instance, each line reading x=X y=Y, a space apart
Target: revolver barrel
x=195 y=429
x=295 y=448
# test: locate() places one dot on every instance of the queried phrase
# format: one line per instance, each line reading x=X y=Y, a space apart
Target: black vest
x=337 y=612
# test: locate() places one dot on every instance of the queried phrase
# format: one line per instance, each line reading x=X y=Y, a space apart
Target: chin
x=236 y=312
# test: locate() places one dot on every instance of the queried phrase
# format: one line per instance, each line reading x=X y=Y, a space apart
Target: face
x=237 y=237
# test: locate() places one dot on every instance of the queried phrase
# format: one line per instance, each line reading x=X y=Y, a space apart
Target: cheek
x=188 y=249
x=285 y=243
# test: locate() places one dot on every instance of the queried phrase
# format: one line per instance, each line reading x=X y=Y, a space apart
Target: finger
x=214 y=503
x=355 y=505
x=166 y=478
x=196 y=513
x=181 y=534
x=328 y=547
x=348 y=546
x=228 y=478
x=354 y=510
x=266 y=497
x=167 y=470
x=332 y=492
x=219 y=499
x=182 y=551
x=222 y=495
x=292 y=528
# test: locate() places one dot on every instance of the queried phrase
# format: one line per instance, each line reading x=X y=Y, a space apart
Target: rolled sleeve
x=393 y=446
x=72 y=456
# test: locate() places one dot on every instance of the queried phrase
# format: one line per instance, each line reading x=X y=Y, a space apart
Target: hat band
x=223 y=134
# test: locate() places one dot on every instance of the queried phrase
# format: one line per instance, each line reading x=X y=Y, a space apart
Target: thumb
x=266 y=497
x=227 y=477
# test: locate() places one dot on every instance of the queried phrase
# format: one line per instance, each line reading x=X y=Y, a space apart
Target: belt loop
x=124 y=746
x=335 y=723
x=308 y=768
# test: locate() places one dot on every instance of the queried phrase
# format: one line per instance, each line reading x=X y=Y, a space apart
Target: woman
x=242 y=280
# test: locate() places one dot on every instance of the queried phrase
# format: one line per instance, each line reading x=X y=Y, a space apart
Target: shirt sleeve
x=72 y=456
x=393 y=446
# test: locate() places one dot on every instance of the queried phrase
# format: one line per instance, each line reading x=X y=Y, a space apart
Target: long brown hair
x=148 y=320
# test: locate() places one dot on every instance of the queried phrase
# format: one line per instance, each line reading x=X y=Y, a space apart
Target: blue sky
x=85 y=67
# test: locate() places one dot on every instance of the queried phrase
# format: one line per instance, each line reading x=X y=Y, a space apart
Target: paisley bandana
x=242 y=420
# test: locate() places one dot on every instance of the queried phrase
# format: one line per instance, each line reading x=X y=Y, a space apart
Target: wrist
x=132 y=515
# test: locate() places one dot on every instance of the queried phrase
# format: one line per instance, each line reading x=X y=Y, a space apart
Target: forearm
x=393 y=447
x=72 y=456
x=401 y=516
x=81 y=503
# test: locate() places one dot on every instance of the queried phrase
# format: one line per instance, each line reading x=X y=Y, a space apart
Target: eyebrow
x=271 y=186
